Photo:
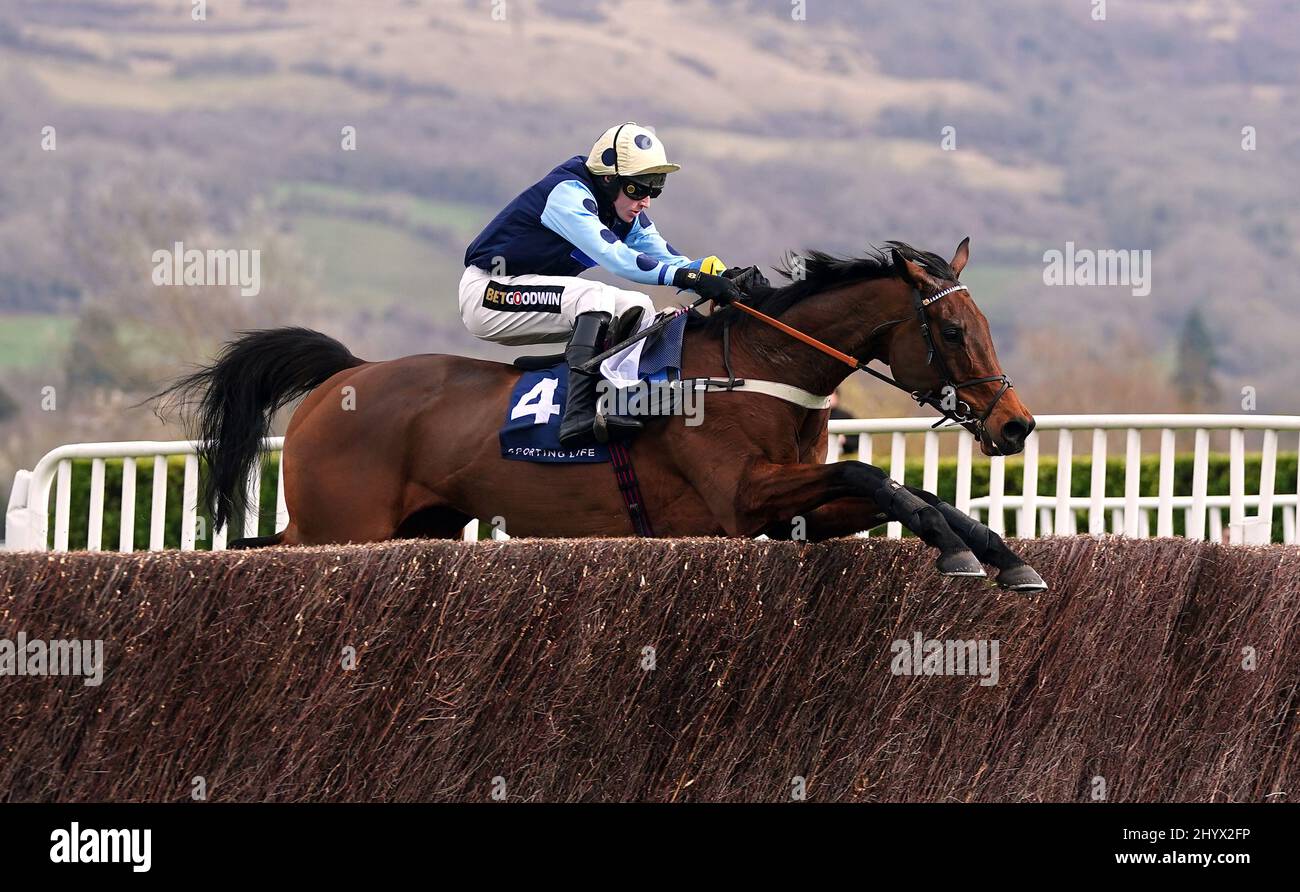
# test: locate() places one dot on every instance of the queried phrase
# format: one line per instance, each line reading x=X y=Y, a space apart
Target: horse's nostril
x=1016 y=430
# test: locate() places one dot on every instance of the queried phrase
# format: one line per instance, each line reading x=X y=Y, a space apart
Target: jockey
x=521 y=282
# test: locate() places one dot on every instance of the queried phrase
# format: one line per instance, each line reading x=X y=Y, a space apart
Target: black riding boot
x=580 y=404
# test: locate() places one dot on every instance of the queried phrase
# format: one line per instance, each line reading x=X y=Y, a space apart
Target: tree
x=1196 y=363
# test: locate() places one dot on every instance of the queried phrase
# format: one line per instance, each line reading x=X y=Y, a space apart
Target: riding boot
x=580 y=404
x=615 y=427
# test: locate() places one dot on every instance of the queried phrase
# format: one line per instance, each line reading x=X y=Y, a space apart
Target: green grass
x=369 y=264
x=463 y=219
x=374 y=263
x=29 y=339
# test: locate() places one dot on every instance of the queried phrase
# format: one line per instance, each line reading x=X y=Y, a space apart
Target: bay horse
x=408 y=447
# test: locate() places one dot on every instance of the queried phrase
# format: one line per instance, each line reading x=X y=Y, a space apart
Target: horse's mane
x=818 y=272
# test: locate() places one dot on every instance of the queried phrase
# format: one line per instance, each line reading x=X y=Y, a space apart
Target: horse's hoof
x=1022 y=578
x=959 y=563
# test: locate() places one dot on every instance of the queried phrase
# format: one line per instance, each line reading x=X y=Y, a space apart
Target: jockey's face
x=627 y=208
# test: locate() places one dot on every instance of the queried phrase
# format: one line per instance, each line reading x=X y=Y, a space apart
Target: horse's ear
x=911 y=272
x=959 y=259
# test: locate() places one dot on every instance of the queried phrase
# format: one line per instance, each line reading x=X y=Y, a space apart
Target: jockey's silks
x=562 y=225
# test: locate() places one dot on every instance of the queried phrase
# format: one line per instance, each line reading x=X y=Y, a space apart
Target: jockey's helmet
x=634 y=157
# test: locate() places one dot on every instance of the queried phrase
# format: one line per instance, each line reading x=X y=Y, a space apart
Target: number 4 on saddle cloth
x=531 y=431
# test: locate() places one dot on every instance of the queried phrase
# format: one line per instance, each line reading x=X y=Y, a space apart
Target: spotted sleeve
x=645 y=238
x=572 y=213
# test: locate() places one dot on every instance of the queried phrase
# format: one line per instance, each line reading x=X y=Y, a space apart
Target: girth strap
x=630 y=489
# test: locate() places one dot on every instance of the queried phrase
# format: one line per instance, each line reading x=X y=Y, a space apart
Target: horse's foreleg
x=987 y=545
x=843 y=517
x=769 y=493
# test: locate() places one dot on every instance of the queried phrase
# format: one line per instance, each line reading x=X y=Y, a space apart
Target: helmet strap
x=609 y=185
x=616 y=133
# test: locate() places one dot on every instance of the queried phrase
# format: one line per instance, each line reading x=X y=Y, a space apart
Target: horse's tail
x=227 y=406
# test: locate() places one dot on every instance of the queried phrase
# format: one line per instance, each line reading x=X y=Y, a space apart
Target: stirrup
x=614 y=427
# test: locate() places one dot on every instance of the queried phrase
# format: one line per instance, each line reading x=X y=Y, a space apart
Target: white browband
x=926 y=301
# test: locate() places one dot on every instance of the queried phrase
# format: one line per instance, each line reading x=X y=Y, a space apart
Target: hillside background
x=824 y=132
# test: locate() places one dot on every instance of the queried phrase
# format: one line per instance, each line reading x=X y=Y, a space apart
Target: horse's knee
x=861 y=476
x=872 y=482
x=904 y=504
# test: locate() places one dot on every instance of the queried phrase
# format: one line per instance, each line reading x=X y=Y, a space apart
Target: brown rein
x=800 y=336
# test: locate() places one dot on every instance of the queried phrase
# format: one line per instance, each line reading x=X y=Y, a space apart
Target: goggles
x=637 y=191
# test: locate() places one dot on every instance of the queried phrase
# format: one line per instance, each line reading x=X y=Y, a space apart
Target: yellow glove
x=712 y=265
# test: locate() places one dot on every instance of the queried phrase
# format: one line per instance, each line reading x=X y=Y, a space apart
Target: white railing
x=27 y=518
x=1130 y=514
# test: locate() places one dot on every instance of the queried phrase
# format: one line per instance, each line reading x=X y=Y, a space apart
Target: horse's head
x=942 y=352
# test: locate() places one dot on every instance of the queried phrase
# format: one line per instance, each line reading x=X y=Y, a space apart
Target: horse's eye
x=952 y=335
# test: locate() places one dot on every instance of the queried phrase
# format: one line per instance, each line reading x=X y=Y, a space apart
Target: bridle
x=960 y=412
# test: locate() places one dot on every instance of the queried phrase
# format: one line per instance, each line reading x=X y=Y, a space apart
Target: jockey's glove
x=718 y=289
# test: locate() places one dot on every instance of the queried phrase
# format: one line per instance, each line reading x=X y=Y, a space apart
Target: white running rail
x=1130 y=514
x=1036 y=513
x=27 y=518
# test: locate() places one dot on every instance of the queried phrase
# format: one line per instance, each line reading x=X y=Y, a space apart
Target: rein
x=960 y=412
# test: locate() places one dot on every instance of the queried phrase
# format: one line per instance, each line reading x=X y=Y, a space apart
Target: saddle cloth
x=531 y=430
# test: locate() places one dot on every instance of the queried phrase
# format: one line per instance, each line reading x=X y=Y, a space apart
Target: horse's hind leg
x=433 y=523
x=256 y=541
x=987 y=545
x=334 y=507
